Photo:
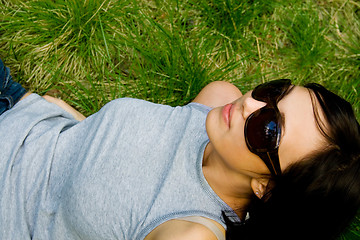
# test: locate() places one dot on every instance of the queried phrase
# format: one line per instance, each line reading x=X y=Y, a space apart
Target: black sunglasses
x=263 y=127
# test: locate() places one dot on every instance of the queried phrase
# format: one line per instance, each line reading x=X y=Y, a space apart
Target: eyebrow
x=288 y=91
x=282 y=125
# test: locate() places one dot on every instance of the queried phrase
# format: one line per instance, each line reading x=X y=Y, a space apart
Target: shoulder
x=182 y=230
x=218 y=94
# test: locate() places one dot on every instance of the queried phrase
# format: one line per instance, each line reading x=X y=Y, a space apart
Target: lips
x=226 y=113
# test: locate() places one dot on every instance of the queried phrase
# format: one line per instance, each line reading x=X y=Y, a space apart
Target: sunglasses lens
x=271 y=90
x=263 y=130
x=263 y=127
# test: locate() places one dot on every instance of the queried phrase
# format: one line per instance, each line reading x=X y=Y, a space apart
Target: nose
x=250 y=105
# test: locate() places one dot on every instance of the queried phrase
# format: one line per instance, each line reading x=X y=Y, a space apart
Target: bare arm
x=218 y=94
x=182 y=230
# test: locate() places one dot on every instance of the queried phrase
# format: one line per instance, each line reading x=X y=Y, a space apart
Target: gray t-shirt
x=116 y=175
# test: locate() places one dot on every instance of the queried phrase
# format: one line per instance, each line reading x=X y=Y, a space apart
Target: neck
x=233 y=188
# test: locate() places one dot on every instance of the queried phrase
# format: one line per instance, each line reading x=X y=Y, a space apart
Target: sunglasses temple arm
x=271 y=159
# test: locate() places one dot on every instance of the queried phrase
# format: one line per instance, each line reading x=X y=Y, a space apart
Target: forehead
x=301 y=135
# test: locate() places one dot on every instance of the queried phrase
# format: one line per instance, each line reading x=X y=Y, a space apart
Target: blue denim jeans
x=10 y=91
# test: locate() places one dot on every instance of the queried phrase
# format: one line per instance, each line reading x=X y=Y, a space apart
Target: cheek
x=231 y=146
x=237 y=156
x=245 y=161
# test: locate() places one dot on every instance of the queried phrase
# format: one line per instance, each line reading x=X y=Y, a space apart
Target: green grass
x=91 y=51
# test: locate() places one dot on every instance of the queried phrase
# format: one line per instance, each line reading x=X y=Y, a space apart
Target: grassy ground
x=91 y=51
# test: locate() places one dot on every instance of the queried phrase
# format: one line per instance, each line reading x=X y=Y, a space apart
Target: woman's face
x=300 y=134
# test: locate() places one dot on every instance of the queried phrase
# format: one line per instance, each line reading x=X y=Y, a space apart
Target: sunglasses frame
x=270 y=156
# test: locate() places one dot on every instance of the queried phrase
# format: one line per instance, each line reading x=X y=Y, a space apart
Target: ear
x=258 y=186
